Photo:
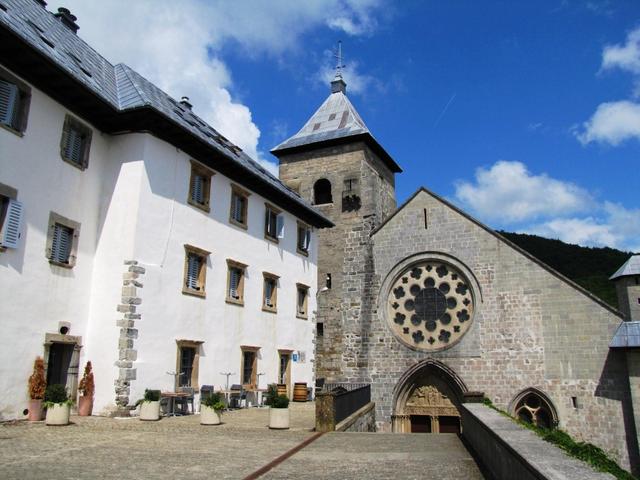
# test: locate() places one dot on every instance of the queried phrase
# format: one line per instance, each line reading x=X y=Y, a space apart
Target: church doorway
x=427 y=400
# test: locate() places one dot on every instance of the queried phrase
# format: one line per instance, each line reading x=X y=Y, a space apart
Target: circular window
x=430 y=306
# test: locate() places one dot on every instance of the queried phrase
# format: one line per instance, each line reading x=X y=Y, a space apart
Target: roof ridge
x=503 y=239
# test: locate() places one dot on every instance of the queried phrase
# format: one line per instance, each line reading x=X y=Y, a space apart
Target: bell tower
x=335 y=163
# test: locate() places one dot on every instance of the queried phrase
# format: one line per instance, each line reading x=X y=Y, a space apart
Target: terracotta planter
x=209 y=416
x=150 y=411
x=36 y=412
x=278 y=418
x=85 y=406
x=58 y=414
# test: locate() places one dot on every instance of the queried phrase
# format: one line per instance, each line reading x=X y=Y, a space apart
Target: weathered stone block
x=126 y=308
x=131 y=300
x=135 y=269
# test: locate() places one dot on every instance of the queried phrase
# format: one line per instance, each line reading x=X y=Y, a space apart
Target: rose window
x=430 y=306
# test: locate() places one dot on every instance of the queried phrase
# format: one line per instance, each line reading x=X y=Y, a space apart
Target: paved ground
x=104 y=448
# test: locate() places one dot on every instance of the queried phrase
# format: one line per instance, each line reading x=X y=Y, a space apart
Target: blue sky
x=525 y=114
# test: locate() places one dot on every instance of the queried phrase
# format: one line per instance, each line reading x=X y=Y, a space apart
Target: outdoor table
x=171 y=396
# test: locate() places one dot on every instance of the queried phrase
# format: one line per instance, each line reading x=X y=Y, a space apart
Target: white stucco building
x=134 y=235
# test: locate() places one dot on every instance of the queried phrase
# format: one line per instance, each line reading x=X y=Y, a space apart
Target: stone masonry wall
x=531 y=328
x=344 y=250
x=127 y=354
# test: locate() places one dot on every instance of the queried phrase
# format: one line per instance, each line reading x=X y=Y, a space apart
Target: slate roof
x=336 y=121
x=631 y=267
x=124 y=90
x=627 y=336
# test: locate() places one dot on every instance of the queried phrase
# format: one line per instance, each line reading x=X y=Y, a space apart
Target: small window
x=75 y=143
x=195 y=271
x=301 y=300
x=200 y=186
x=62 y=241
x=351 y=195
x=235 y=282
x=319 y=329
x=304 y=238
x=270 y=292
x=187 y=363
x=322 y=192
x=15 y=97
x=273 y=223
x=249 y=366
x=239 y=203
x=10 y=217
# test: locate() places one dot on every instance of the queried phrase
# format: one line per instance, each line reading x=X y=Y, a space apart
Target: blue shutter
x=193 y=270
x=234 y=282
x=197 y=189
x=280 y=226
x=9 y=97
x=307 y=239
x=73 y=146
x=12 y=224
x=268 y=291
x=61 y=245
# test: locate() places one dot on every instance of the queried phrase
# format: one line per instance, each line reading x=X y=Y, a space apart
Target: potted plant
x=150 y=406
x=279 y=412
x=87 y=388
x=37 y=387
x=58 y=405
x=211 y=409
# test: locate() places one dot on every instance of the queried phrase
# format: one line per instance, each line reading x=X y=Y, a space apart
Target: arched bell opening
x=427 y=399
x=322 y=192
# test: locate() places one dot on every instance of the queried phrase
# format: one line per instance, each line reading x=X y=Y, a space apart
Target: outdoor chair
x=185 y=401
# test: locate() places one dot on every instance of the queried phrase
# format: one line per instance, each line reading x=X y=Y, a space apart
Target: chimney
x=67 y=19
x=184 y=101
x=42 y=3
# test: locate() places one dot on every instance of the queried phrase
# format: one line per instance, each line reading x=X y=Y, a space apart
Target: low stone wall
x=363 y=420
x=507 y=451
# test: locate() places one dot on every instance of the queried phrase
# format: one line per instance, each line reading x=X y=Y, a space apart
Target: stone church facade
x=434 y=309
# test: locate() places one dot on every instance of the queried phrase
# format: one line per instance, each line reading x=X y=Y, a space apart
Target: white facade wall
x=131 y=202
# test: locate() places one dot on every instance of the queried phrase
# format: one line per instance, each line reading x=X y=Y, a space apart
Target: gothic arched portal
x=427 y=399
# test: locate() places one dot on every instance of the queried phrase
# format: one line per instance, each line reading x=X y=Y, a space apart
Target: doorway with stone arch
x=427 y=399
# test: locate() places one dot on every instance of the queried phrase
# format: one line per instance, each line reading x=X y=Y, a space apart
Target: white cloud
x=582 y=231
x=624 y=57
x=511 y=197
x=612 y=123
x=508 y=192
x=177 y=45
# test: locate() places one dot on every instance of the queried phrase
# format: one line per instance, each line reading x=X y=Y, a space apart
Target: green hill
x=589 y=267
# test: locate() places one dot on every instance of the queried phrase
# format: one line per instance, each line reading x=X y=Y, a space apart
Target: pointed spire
x=338 y=84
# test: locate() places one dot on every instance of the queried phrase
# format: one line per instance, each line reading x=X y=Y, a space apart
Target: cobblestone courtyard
x=179 y=447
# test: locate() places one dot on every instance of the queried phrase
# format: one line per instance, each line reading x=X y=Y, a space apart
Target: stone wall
x=127 y=354
x=364 y=420
x=531 y=328
x=344 y=250
x=506 y=450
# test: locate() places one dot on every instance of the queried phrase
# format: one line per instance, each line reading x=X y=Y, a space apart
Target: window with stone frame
x=322 y=192
x=302 y=299
x=304 y=238
x=273 y=223
x=188 y=363
x=62 y=241
x=235 y=281
x=10 y=217
x=249 y=366
x=270 y=292
x=239 y=206
x=195 y=271
x=200 y=186
x=75 y=143
x=15 y=97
